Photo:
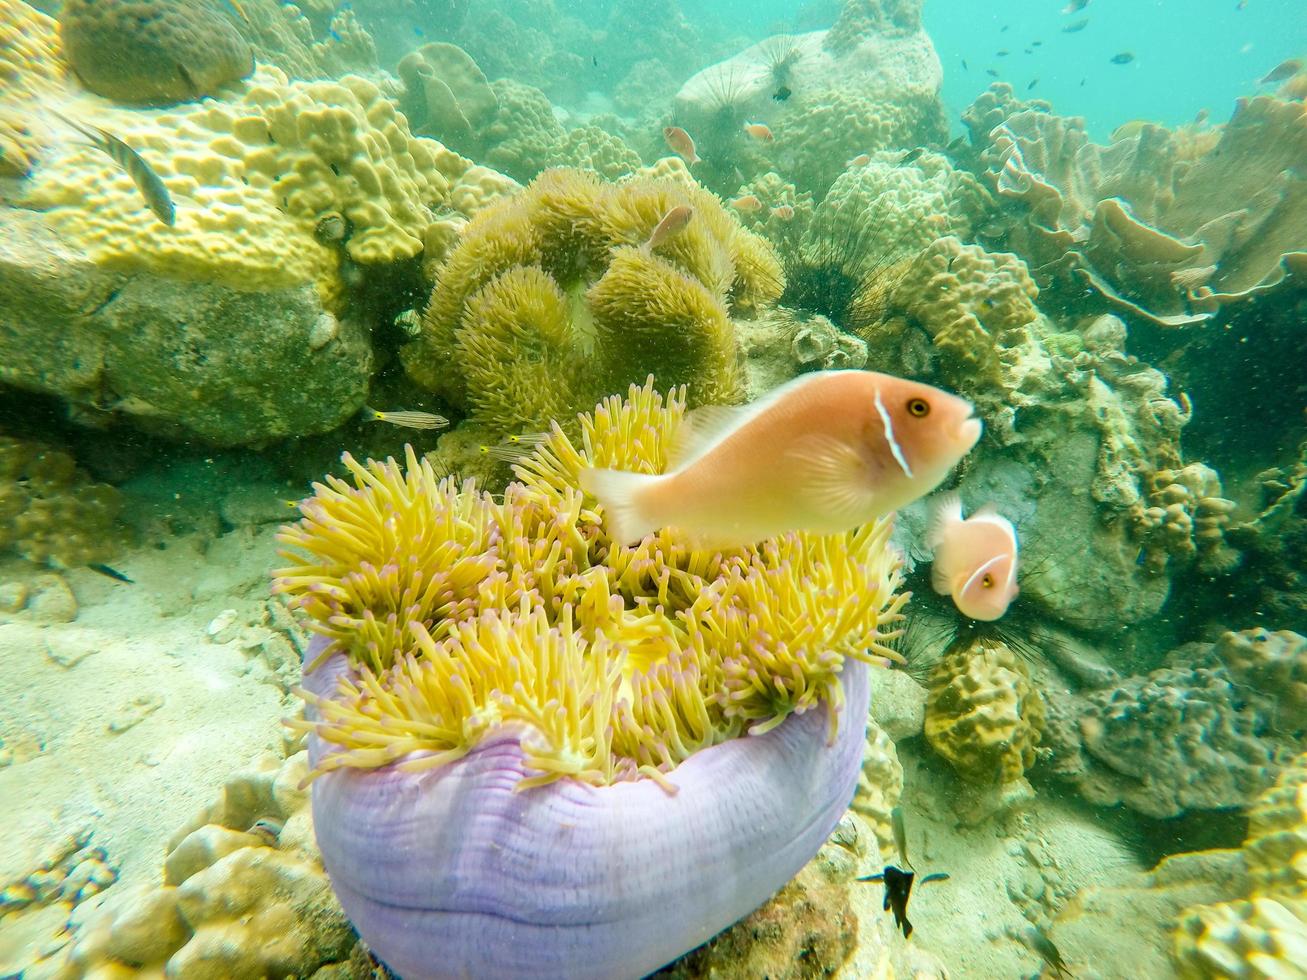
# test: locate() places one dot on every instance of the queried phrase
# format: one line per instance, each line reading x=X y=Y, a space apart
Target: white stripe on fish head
x=889 y=437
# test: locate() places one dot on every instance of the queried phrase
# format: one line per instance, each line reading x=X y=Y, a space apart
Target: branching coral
x=466 y=614
x=550 y=299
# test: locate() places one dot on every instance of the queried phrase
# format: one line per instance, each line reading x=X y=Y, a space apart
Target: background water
x=1189 y=54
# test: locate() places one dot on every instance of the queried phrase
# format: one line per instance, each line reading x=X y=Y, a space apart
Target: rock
x=68 y=648
x=13 y=596
x=180 y=358
x=134 y=712
x=51 y=600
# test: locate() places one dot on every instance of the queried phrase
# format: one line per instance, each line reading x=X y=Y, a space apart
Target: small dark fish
x=1285 y=69
x=1082 y=82
x=111 y=572
x=964 y=65
x=1124 y=58
x=1002 y=52
x=1030 y=50
x=911 y=155
x=991 y=73
x=1076 y=26
x=1036 y=44
x=1241 y=5
x=898 y=889
x=1003 y=29
x=1075 y=5
x=594 y=60
x=155 y=192
x=781 y=94
x=1039 y=942
x=1033 y=83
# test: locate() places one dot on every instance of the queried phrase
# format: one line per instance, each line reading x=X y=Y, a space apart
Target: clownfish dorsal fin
x=945 y=511
x=700 y=430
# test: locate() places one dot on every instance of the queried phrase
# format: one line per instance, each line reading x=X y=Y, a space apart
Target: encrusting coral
x=552 y=298
x=467 y=636
x=155 y=52
x=983 y=714
x=52 y=512
x=1265 y=934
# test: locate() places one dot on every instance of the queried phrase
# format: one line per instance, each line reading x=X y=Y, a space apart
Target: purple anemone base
x=449 y=873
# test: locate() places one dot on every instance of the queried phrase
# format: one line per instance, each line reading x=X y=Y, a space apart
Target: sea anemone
x=540 y=754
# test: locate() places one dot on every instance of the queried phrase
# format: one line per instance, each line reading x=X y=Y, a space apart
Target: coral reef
x=862 y=89
x=50 y=511
x=1210 y=729
x=1264 y=934
x=1186 y=520
x=70 y=872
x=633 y=669
x=983 y=714
x=879 y=787
x=244 y=894
x=888 y=210
x=152 y=52
x=447 y=96
x=549 y=300
x=1163 y=228
x=94 y=286
x=523 y=131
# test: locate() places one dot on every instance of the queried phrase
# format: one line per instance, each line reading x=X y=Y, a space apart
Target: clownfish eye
x=918 y=407
x=987 y=582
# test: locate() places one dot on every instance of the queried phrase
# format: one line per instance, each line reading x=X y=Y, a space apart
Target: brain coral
x=549 y=300
x=30 y=65
x=467 y=638
x=152 y=52
x=982 y=713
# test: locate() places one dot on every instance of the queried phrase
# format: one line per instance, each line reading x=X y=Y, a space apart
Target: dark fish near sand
x=964 y=65
x=991 y=73
x=1076 y=26
x=1038 y=941
x=409 y=420
x=155 y=192
x=111 y=573
x=1033 y=83
x=898 y=889
x=781 y=94
x=1285 y=69
x=1124 y=58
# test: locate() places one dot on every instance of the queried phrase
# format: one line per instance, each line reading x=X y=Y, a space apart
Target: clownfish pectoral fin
x=836 y=476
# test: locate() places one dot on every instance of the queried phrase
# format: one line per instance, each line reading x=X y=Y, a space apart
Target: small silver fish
x=409 y=420
x=1124 y=58
x=514 y=449
x=1075 y=5
x=1076 y=26
x=673 y=223
x=155 y=192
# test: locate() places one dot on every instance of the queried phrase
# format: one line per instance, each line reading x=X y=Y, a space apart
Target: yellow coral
x=30 y=66
x=252 y=174
x=465 y=614
x=628 y=309
x=982 y=713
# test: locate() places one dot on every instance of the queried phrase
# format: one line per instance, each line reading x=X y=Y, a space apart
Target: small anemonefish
x=975 y=558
